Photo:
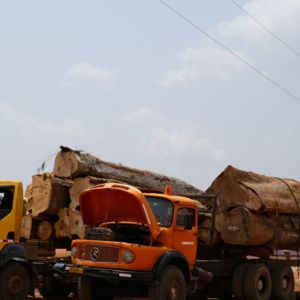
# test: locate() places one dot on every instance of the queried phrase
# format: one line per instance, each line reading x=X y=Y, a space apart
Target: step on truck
x=25 y=264
x=146 y=245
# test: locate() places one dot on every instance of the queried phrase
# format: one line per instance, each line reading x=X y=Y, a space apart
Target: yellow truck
x=22 y=269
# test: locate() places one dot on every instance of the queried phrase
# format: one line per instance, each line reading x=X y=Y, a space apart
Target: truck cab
x=15 y=273
x=11 y=211
x=136 y=241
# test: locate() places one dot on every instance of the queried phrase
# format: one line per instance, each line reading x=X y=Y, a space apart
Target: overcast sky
x=131 y=82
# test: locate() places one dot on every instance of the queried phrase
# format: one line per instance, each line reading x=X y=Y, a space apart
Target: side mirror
x=189 y=221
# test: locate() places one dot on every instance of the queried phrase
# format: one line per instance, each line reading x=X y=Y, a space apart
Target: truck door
x=7 y=220
x=186 y=233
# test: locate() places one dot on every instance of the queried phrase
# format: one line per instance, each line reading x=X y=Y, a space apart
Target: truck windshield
x=162 y=209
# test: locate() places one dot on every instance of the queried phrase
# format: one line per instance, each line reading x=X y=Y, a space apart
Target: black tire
x=238 y=280
x=172 y=285
x=258 y=283
x=14 y=282
x=198 y=295
x=51 y=287
x=282 y=282
x=92 y=289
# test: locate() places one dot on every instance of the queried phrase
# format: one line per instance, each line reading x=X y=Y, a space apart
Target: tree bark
x=46 y=195
x=256 y=192
x=243 y=227
x=26 y=227
x=45 y=230
x=72 y=164
x=69 y=225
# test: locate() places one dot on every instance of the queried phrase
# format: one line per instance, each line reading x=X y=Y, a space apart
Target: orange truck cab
x=138 y=244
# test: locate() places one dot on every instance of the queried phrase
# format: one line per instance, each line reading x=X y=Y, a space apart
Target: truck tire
x=171 y=286
x=282 y=282
x=238 y=281
x=258 y=283
x=53 y=288
x=92 y=289
x=14 y=282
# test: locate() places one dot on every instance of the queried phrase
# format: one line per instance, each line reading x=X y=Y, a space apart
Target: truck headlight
x=128 y=256
x=73 y=251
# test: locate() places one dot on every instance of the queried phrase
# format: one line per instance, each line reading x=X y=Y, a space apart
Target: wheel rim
x=173 y=290
x=14 y=285
x=261 y=285
x=285 y=283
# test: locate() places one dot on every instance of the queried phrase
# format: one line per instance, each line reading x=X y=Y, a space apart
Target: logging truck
x=143 y=244
x=25 y=264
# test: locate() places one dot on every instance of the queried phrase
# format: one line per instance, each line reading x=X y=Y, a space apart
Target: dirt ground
x=297 y=288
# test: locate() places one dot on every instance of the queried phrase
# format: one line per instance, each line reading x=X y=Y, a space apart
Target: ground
x=297 y=288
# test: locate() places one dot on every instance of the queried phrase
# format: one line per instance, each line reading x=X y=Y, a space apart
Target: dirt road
x=38 y=296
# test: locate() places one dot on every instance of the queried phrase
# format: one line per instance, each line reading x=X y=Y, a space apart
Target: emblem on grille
x=95 y=253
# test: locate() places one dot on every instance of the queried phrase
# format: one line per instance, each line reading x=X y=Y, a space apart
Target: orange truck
x=146 y=245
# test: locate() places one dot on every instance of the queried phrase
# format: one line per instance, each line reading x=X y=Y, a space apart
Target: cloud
x=30 y=125
x=142 y=115
x=281 y=16
x=174 y=144
x=246 y=38
x=205 y=62
x=85 y=72
x=183 y=154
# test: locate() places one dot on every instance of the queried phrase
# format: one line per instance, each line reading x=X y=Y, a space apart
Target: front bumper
x=137 y=276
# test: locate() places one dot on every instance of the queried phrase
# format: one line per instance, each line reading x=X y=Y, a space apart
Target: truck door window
x=183 y=214
x=6 y=202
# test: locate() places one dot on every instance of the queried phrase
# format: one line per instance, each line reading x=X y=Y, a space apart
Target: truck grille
x=98 y=253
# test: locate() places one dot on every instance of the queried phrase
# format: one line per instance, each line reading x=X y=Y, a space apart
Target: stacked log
x=256 y=210
x=53 y=210
x=74 y=164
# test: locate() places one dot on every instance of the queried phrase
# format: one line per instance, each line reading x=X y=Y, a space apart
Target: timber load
x=52 y=205
x=256 y=210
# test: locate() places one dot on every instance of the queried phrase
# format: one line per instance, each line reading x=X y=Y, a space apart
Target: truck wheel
x=258 y=284
x=282 y=282
x=14 y=282
x=53 y=288
x=93 y=289
x=238 y=281
x=172 y=285
x=197 y=296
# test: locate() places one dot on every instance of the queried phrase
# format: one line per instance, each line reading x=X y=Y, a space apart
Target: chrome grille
x=98 y=253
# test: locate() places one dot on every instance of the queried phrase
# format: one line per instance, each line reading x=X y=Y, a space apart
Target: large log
x=26 y=227
x=69 y=225
x=46 y=195
x=70 y=164
x=240 y=226
x=256 y=192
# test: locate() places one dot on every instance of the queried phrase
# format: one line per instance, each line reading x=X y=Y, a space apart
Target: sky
x=132 y=83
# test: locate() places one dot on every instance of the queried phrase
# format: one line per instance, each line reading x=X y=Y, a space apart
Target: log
x=71 y=164
x=46 y=195
x=204 y=235
x=45 y=230
x=80 y=184
x=244 y=227
x=26 y=227
x=69 y=225
x=256 y=192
